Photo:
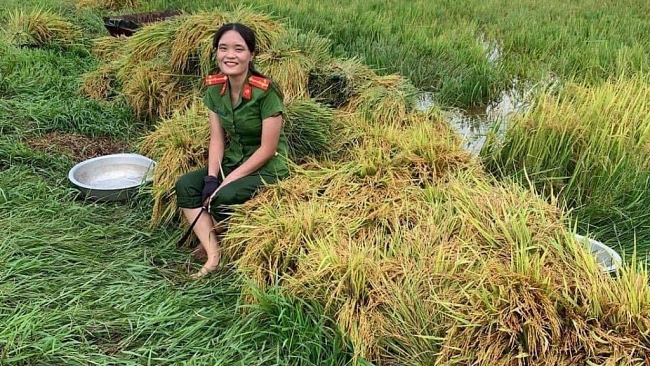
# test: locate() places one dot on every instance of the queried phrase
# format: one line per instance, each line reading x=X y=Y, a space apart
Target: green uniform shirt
x=243 y=124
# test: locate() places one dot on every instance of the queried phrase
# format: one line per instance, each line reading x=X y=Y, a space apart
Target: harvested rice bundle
x=336 y=82
x=178 y=145
x=308 y=126
x=153 y=91
x=100 y=84
x=107 y=4
x=268 y=31
x=109 y=48
x=385 y=99
x=465 y=268
x=421 y=149
x=191 y=50
x=40 y=27
x=290 y=60
x=152 y=41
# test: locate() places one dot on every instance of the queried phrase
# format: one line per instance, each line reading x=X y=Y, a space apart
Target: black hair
x=251 y=42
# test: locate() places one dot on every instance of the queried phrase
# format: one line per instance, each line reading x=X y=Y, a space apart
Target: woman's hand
x=210 y=187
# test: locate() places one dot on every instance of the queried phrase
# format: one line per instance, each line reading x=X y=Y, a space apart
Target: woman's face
x=233 y=55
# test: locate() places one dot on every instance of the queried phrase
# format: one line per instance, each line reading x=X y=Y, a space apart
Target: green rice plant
x=290 y=60
x=178 y=144
x=335 y=83
x=588 y=147
x=298 y=329
x=40 y=27
x=85 y=283
x=308 y=126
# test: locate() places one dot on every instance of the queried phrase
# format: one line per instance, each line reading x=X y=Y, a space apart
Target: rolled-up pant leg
x=236 y=193
x=188 y=189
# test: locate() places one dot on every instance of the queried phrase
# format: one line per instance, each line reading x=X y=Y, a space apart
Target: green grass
x=85 y=283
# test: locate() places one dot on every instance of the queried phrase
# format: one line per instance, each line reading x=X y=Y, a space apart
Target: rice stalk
x=385 y=99
x=155 y=92
x=336 y=82
x=40 y=27
x=107 y=4
x=179 y=144
x=100 y=84
x=308 y=127
x=109 y=48
x=151 y=41
x=587 y=146
x=192 y=45
x=268 y=31
x=290 y=60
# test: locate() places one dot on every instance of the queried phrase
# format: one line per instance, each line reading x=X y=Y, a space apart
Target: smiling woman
x=248 y=107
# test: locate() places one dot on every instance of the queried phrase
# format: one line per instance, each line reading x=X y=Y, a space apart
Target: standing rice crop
x=589 y=147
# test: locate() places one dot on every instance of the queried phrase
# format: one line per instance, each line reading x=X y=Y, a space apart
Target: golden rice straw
x=109 y=48
x=106 y=4
x=40 y=27
x=178 y=145
x=99 y=84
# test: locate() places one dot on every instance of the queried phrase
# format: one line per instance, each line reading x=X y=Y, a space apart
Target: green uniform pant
x=189 y=187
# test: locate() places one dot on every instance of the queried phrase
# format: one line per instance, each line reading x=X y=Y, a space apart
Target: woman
x=248 y=107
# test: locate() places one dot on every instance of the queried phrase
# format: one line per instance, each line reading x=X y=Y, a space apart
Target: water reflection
x=474 y=124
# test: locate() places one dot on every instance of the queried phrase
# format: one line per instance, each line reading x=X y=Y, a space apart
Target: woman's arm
x=271 y=129
x=217 y=144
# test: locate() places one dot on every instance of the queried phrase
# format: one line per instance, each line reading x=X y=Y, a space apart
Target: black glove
x=211 y=183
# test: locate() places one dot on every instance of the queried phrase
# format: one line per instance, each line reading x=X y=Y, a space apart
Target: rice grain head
x=40 y=27
x=107 y=4
x=100 y=84
x=109 y=48
x=290 y=60
x=334 y=83
x=179 y=145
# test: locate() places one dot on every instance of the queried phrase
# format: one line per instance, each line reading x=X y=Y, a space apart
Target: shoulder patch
x=215 y=79
x=259 y=82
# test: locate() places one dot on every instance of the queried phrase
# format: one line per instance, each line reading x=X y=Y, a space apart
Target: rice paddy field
x=391 y=244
